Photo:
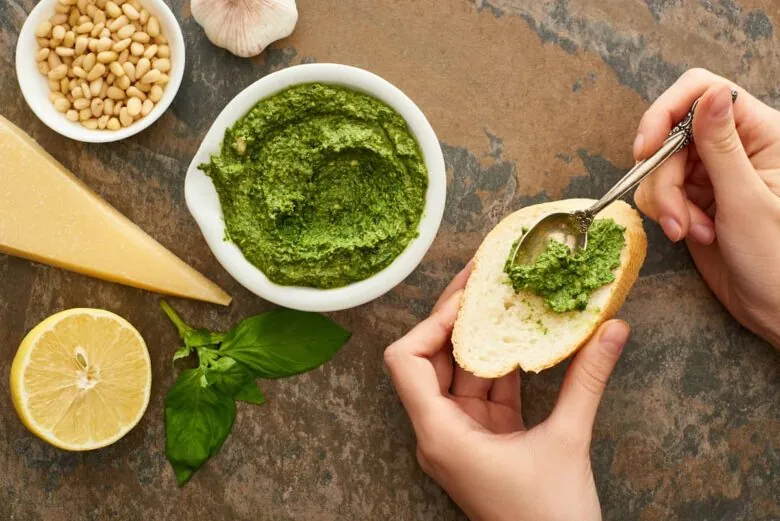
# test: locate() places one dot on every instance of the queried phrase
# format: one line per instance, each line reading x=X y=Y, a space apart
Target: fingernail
x=616 y=334
x=720 y=106
x=639 y=144
x=671 y=228
x=702 y=234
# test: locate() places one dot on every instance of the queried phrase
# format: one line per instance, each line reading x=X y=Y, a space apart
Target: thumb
x=586 y=380
x=734 y=180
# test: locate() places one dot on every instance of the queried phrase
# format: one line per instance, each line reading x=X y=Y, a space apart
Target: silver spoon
x=571 y=228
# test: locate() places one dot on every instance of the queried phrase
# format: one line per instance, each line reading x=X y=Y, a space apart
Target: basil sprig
x=200 y=408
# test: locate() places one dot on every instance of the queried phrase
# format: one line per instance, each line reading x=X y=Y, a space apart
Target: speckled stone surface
x=532 y=100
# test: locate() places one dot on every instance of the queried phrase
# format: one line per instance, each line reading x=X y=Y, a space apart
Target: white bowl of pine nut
x=100 y=70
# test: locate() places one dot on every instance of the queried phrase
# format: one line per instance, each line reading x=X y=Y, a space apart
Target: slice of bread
x=498 y=330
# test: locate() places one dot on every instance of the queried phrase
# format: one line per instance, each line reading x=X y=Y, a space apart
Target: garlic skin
x=245 y=27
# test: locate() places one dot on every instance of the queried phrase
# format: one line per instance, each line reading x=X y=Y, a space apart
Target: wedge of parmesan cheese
x=49 y=216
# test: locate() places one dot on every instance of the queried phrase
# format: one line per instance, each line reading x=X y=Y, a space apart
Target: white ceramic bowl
x=35 y=86
x=203 y=201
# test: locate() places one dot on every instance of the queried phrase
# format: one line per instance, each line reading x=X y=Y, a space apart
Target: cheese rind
x=48 y=215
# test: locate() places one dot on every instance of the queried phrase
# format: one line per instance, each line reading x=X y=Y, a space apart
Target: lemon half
x=81 y=379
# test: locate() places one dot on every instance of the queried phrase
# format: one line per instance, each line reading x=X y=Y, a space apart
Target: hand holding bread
x=470 y=433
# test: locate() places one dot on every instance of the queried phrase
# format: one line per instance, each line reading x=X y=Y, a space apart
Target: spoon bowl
x=558 y=226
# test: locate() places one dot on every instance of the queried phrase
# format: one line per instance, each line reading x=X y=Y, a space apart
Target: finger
x=662 y=198
x=736 y=184
x=702 y=229
x=467 y=385
x=506 y=391
x=442 y=365
x=408 y=360
x=586 y=379
x=457 y=283
x=672 y=106
x=701 y=196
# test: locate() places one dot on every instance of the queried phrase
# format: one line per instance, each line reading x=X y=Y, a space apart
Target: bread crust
x=625 y=277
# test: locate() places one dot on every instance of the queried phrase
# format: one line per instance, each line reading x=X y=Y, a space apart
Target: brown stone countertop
x=532 y=100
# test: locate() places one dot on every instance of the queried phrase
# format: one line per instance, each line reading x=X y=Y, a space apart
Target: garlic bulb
x=245 y=27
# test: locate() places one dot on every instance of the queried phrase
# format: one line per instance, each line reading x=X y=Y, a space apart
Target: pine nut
x=162 y=64
x=113 y=10
x=89 y=62
x=143 y=66
x=124 y=117
x=121 y=45
x=43 y=30
x=141 y=37
x=135 y=92
x=96 y=86
x=129 y=70
x=130 y=12
x=147 y=107
x=85 y=28
x=69 y=40
x=151 y=77
x=122 y=82
x=62 y=105
x=150 y=51
x=58 y=72
x=97 y=107
x=153 y=27
x=115 y=93
x=104 y=44
x=96 y=72
x=108 y=107
x=156 y=93
x=81 y=45
x=134 y=106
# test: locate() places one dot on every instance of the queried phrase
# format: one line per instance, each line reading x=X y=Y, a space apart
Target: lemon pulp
x=81 y=379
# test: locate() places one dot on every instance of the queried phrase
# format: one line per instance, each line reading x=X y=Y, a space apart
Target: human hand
x=470 y=433
x=721 y=194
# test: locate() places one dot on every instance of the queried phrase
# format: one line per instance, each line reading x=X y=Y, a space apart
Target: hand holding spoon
x=572 y=228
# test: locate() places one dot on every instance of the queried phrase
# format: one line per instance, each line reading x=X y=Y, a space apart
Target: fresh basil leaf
x=234 y=379
x=228 y=376
x=202 y=337
x=197 y=422
x=251 y=393
x=284 y=342
x=183 y=473
x=182 y=352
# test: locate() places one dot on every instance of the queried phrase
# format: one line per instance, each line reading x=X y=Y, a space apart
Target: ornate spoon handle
x=679 y=138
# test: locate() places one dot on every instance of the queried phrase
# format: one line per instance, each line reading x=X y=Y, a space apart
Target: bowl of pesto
x=319 y=187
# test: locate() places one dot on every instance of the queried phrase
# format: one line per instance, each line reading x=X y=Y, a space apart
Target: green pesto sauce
x=565 y=280
x=320 y=186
